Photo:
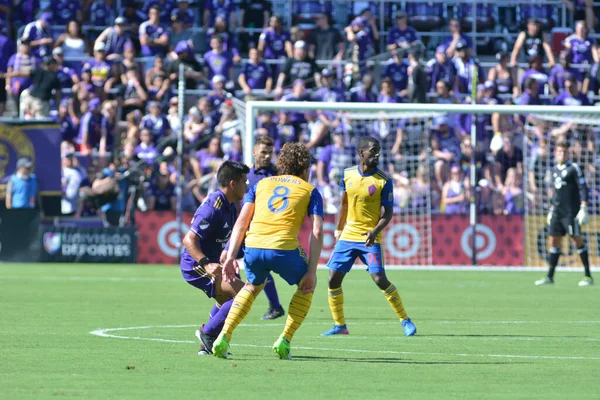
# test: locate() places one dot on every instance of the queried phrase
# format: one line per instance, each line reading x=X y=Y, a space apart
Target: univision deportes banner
x=93 y=245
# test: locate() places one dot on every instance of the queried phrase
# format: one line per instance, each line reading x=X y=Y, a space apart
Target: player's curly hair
x=294 y=159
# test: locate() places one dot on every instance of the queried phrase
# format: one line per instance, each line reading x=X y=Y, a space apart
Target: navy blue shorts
x=291 y=265
x=200 y=279
x=345 y=254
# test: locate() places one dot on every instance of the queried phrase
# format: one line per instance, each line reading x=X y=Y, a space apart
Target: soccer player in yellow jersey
x=365 y=191
x=275 y=209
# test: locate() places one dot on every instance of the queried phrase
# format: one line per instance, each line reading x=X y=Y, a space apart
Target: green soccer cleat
x=587 y=281
x=221 y=346
x=282 y=348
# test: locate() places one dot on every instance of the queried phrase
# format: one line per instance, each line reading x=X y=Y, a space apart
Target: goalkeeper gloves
x=582 y=216
x=549 y=218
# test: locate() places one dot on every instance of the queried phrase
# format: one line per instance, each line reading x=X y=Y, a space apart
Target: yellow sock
x=336 y=305
x=299 y=306
x=393 y=297
x=240 y=307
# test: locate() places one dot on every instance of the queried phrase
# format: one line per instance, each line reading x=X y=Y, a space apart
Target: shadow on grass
x=393 y=360
x=498 y=336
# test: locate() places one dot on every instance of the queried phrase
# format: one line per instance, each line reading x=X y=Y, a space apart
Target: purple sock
x=271 y=293
x=215 y=324
x=214 y=311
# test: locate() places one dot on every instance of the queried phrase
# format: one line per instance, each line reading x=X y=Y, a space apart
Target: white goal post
x=505 y=236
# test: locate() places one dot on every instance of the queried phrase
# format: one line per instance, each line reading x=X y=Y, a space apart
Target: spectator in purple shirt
x=66 y=75
x=153 y=36
x=571 y=96
x=298 y=94
x=218 y=95
x=440 y=68
x=207 y=161
x=286 y=131
x=64 y=11
x=156 y=122
x=560 y=73
x=38 y=35
x=364 y=93
x=7 y=49
x=267 y=127
x=338 y=155
x=536 y=71
x=255 y=74
x=275 y=43
x=456 y=37
x=582 y=48
x=387 y=93
x=361 y=41
x=401 y=35
x=98 y=66
x=219 y=8
x=92 y=130
x=21 y=61
x=146 y=150
x=229 y=42
x=115 y=38
x=397 y=72
x=235 y=154
x=464 y=70
x=101 y=13
x=445 y=146
x=164 y=7
x=161 y=193
x=217 y=61
x=183 y=13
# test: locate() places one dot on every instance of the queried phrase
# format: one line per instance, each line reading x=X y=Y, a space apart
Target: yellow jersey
x=366 y=195
x=281 y=205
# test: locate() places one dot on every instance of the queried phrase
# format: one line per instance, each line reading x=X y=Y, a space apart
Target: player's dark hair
x=264 y=139
x=563 y=143
x=294 y=159
x=155 y=7
x=367 y=141
x=231 y=171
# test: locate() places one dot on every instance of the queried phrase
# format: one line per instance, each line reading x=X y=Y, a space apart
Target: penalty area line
x=105 y=333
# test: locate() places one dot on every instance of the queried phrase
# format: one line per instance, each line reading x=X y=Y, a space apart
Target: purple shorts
x=200 y=279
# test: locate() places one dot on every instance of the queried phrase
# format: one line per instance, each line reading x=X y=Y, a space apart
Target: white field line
x=105 y=333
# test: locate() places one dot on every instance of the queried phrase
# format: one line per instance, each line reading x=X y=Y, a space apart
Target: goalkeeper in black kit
x=568 y=212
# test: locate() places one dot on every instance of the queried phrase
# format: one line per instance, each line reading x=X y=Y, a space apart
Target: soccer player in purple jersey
x=209 y=232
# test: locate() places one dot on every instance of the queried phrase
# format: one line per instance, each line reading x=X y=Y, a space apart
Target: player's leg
x=579 y=243
x=372 y=257
x=256 y=275
x=292 y=266
x=275 y=309
x=557 y=229
x=340 y=263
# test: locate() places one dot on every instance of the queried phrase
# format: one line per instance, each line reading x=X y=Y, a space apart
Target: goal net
x=445 y=186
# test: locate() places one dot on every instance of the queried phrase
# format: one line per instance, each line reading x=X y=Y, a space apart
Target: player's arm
x=343 y=210
x=201 y=226
x=315 y=211
x=387 y=202
x=582 y=216
x=238 y=233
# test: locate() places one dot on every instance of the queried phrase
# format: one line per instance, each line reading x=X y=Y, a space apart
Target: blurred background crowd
x=107 y=72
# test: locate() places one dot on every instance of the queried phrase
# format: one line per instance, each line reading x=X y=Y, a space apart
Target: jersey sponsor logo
x=558 y=182
x=203 y=224
x=372 y=190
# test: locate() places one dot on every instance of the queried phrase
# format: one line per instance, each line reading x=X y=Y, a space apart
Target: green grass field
x=481 y=335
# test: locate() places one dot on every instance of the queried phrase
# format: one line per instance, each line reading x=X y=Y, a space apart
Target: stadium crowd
x=109 y=76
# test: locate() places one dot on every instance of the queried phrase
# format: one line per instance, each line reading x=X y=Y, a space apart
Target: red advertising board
x=499 y=239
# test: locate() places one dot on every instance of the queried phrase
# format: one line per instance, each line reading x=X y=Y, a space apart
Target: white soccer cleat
x=587 y=281
x=545 y=281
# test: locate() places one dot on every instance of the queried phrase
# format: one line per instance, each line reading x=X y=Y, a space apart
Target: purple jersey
x=68 y=129
x=64 y=11
x=187 y=16
x=565 y=98
x=255 y=176
x=581 y=50
x=100 y=71
x=101 y=14
x=229 y=42
x=65 y=76
x=218 y=63
x=558 y=76
x=92 y=124
x=162 y=194
x=7 y=49
x=274 y=43
x=148 y=153
x=256 y=74
x=153 y=32
x=364 y=41
x=329 y=95
x=398 y=73
x=440 y=72
x=384 y=98
x=397 y=36
x=208 y=162
x=219 y=8
x=216 y=99
x=157 y=125
x=212 y=224
x=464 y=71
x=286 y=133
x=296 y=117
x=34 y=31
x=541 y=12
x=360 y=95
x=271 y=129
x=234 y=155
x=449 y=143
x=465 y=39
x=539 y=76
x=21 y=63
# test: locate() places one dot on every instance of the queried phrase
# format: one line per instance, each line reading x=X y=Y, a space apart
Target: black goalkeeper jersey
x=570 y=189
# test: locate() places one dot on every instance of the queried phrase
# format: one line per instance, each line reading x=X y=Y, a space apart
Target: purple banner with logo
x=39 y=142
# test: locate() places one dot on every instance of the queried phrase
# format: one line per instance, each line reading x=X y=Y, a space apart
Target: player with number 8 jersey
x=274 y=209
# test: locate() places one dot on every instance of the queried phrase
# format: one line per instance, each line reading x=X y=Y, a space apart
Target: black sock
x=553 y=261
x=583 y=253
